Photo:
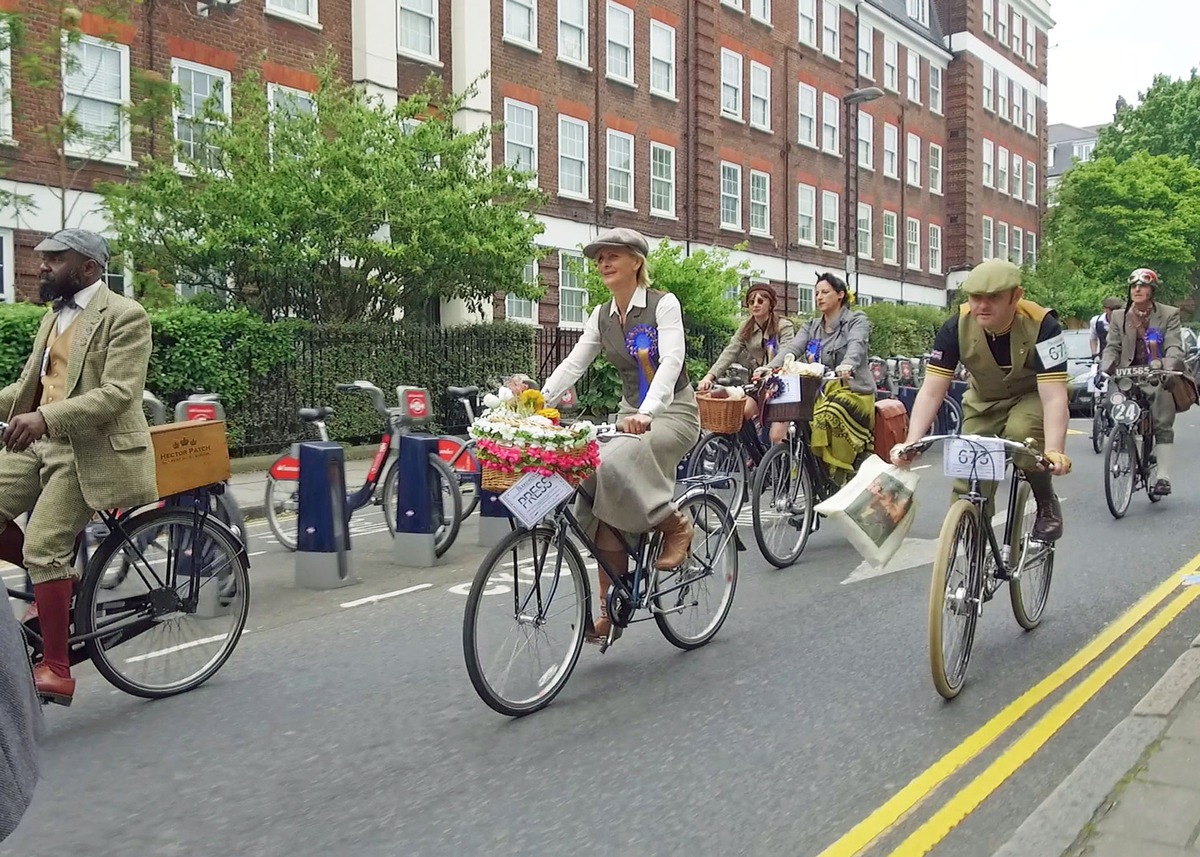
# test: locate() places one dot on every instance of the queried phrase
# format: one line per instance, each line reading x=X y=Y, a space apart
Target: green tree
x=1166 y=121
x=348 y=211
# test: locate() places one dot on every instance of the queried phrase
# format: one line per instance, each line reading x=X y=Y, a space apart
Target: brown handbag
x=1183 y=390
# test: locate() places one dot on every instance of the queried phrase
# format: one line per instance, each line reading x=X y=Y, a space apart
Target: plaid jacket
x=102 y=413
x=20 y=725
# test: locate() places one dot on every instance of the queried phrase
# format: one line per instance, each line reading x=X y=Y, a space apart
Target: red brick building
x=201 y=50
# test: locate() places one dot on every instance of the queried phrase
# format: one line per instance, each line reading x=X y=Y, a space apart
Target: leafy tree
x=1165 y=122
x=349 y=211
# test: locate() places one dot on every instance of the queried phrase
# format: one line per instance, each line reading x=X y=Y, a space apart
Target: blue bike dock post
x=495 y=521
x=416 y=498
x=323 y=558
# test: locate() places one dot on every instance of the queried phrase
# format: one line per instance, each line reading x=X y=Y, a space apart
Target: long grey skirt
x=635 y=483
x=20 y=725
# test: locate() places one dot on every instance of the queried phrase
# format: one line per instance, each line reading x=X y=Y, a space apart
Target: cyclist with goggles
x=1147 y=333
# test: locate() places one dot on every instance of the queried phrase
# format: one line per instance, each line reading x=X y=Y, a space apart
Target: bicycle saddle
x=463 y=392
x=312 y=415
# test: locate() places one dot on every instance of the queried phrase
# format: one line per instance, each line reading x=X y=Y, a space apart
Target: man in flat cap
x=1017 y=358
x=77 y=439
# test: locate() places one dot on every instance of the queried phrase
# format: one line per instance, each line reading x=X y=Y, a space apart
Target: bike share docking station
x=418 y=493
x=323 y=559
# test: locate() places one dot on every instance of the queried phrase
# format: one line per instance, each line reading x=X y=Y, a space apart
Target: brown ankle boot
x=677 y=541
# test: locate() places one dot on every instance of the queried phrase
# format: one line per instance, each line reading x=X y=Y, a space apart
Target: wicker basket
x=810 y=389
x=723 y=416
x=497 y=481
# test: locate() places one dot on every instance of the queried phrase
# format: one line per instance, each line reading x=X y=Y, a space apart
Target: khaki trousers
x=1017 y=419
x=42 y=482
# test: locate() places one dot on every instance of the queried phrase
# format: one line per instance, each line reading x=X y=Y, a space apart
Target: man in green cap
x=1015 y=353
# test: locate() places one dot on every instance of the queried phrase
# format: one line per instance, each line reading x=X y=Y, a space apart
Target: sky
x=1100 y=49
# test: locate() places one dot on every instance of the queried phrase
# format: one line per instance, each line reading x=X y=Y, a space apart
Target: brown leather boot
x=677 y=533
x=52 y=677
x=615 y=562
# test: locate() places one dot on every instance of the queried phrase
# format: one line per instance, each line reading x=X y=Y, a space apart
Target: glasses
x=753 y=301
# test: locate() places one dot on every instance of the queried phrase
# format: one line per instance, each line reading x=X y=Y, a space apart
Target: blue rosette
x=642 y=344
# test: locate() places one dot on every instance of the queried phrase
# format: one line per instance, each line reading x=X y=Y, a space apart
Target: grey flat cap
x=86 y=243
x=630 y=239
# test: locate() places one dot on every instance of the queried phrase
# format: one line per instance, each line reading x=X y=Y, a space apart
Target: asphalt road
x=354 y=729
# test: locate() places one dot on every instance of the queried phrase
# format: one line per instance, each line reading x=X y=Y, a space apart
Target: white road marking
x=170 y=651
x=371 y=599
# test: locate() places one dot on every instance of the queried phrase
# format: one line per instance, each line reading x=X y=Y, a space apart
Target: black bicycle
x=733 y=456
x=520 y=649
x=1129 y=462
x=1102 y=421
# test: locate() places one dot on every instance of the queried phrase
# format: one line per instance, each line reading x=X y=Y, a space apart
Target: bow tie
x=65 y=303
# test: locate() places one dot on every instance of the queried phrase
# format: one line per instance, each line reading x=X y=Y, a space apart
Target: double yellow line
x=929 y=834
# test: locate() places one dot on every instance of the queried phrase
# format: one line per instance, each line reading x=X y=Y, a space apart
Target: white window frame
x=989 y=163
x=934 y=248
x=760 y=10
x=891 y=64
x=8 y=271
x=912 y=160
x=1002 y=23
x=764 y=98
x=564 y=269
x=583 y=61
x=656 y=211
x=532 y=108
x=988 y=236
x=1015 y=116
x=806 y=208
x=659 y=26
x=866 y=140
x=1031 y=249
x=891 y=257
x=891 y=151
x=989 y=16
x=866 y=50
x=1018 y=176
x=731 y=84
x=831 y=37
x=1018 y=33
x=564 y=121
x=529 y=8
x=762 y=203
x=1002 y=88
x=830 y=200
x=1001 y=240
x=1002 y=170
x=312 y=18
x=989 y=88
x=532 y=318
x=806 y=89
x=123 y=152
x=733 y=171
x=609 y=10
x=1083 y=151
x=912 y=75
x=274 y=88
x=807 y=24
x=1016 y=250
x=918 y=10
x=6 y=112
x=936 y=93
x=1031 y=32
x=1031 y=183
x=912 y=258
x=176 y=114
x=831 y=130
x=434 y=47
x=609 y=168
x=865 y=213
x=733 y=4
x=1031 y=112
x=936 y=168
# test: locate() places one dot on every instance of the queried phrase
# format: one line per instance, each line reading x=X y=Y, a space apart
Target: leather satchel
x=1183 y=390
x=891 y=426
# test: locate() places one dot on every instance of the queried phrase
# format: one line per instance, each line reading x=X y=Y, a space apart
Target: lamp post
x=851 y=100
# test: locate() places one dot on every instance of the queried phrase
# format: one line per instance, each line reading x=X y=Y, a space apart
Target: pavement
x=345 y=722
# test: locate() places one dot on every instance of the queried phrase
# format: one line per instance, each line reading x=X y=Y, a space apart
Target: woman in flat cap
x=640 y=331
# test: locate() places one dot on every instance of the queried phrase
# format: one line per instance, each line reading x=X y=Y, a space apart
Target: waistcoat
x=620 y=343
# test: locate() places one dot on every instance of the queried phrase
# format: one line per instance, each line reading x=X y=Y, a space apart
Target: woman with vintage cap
x=843 y=422
x=640 y=331
x=755 y=344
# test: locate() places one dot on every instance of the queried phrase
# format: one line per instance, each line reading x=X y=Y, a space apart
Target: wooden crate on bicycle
x=189 y=455
x=723 y=415
x=789 y=398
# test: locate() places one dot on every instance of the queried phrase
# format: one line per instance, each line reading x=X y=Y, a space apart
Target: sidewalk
x=1137 y=794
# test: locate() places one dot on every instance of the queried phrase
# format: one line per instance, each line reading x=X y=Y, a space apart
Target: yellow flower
x=548 y=413
x=532 y=399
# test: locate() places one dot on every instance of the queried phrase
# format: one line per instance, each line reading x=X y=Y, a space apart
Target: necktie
x=65 y=303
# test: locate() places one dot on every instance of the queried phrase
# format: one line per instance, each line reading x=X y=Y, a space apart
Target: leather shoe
x=53 y=687
x=1048 y=526
x=677 y=533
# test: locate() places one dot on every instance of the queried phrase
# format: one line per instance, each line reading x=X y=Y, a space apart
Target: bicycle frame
x=287 y=468
x=1003 y=554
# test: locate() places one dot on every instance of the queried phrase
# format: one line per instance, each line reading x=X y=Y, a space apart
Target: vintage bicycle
x=1129 y=462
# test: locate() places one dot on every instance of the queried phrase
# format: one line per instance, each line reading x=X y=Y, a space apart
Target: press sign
x=534 y=497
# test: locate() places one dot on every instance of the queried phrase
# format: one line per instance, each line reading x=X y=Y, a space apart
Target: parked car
x=1080 y=368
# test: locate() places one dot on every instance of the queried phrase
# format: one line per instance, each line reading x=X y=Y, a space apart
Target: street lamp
x=853 y=99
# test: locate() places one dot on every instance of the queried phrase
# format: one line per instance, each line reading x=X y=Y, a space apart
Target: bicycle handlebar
x=1011 y=445
x=369 y=389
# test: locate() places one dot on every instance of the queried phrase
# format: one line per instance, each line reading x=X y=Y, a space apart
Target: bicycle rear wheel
x=281 y=505
x=781 y=503
x=460 y=457
x=720 y=455
x=1098 y=427
x=179 y=613
x=524 y=622
x=954 y=598
x=691 y=603
x=1120 y=467
x=1032 y=564
x=447 y=506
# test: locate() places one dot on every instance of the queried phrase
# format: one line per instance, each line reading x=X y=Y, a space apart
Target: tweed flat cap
x=992 y=277
x=630 y=239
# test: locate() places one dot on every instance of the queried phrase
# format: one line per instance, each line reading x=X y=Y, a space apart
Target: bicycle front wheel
x=1120 y=466
x=524 y=623
x=447 y=505
x=781 y=503
x=1098 y=428
x=1032 y=564
x=954 y=598
x=720 y=455
x=176 y=618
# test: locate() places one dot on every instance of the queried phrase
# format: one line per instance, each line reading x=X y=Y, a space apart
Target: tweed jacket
x=101 y=413
x=752 y=352
x=20 y=726
x=1121 y=344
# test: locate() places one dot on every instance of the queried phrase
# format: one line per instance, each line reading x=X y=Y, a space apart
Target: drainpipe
x=689 y=62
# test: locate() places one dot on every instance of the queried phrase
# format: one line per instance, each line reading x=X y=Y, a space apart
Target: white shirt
x=67 y=316
x=668 y=318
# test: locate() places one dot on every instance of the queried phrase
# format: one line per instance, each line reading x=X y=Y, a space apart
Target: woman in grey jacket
x=843 y=423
